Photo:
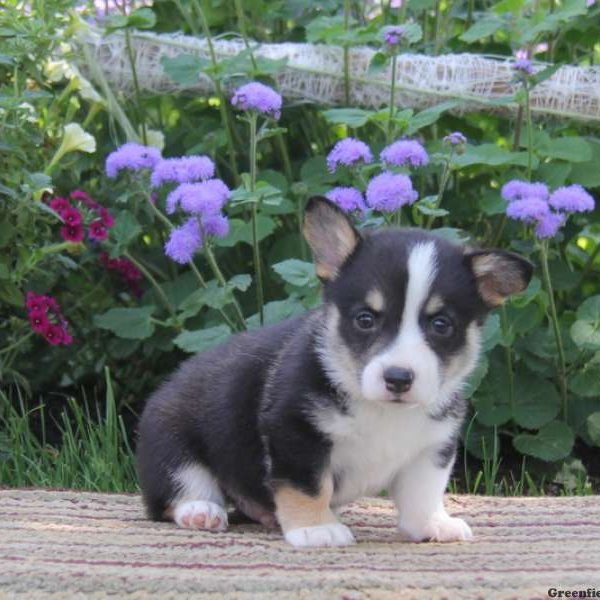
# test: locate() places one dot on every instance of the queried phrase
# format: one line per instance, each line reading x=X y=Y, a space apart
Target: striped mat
x=66 y=544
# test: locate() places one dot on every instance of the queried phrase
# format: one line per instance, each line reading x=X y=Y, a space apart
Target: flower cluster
x=392 y=36
x=348 y=152
x=405 y=153
x=131 y=157
x=349 y=199
x=185 y=169
x=73 y=229
x=258 y=97
x=456 y=138
x=390 y=191
x=523 y=65
x=129 y=273
x=47 y=320
x=533 y=203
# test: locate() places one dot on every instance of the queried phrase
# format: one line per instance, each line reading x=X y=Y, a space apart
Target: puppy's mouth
x=395 y=397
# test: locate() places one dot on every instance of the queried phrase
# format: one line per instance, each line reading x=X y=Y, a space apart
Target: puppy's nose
x=397 y=379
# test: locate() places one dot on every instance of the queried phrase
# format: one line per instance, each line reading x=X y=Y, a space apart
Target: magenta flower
x=258 y=97
x=107 y=219
x=54 y=334
x=520 y=190
x=528 y=209
x=549 y=225
x=85 y=198
x=389 y=191
x=456 y=138
x=46 y=319
x=128 y=272
x=185 y=169
x=348 y=152
x=97 y=231
x=571 y=198
x=59 y=204
x=71 y=216
x=132 y=157
x=405 y=152
x=349 y=199
x=392 y=36
x=72 y=233
x=184 y=241
x=38 y=320
x=216 y=225
x=206 y=197
x=36 y=302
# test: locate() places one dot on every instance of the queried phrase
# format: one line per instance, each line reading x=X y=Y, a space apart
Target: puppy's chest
x=371 y=446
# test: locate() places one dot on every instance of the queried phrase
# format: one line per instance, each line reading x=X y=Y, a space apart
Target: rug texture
x=67 y=544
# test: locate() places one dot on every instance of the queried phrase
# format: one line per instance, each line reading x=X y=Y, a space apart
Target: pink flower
x=85 y=198
x=72 y=233
x=107 y=219
x=97 y=230
x=59 y=204
x=54 y=334
x=38 y=320
x=46 y=319
x=36 y=302
x=71 y=216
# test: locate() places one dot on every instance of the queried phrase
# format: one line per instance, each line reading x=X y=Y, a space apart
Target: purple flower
x=393 y=35
x=348 y=151
x=133 y=157
x=389 y=191
x=529 y=209
x=571 y=198
x=549 y=225
x=206 y=197
x=405 y=152
x=184 y=241
x=258 y=97
x=217 y=225
x=455 y=138
x=523 y=65
x=185 y=169
x=519 y=190
x=347 y=198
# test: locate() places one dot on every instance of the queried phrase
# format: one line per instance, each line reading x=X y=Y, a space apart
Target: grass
x=94 y=454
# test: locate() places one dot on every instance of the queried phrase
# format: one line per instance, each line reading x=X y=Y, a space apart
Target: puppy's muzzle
x=398 y=380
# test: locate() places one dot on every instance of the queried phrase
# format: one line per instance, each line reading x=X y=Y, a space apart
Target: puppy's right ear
x=330 y=235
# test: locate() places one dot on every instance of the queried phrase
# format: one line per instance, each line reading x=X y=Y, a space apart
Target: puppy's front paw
x=440 y=528
x=200 y=514
x=332 y=534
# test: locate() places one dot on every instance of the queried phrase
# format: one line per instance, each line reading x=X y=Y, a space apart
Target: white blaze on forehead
x=421 y=272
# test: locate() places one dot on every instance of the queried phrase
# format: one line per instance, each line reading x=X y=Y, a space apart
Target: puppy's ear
x=330 y=234
x=499 y=274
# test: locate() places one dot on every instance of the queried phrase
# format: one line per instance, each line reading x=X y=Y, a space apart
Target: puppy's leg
x=418 y=494
x=199 y=502
x=307 y=520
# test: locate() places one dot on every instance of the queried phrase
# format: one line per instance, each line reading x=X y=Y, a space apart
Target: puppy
x=360 y=395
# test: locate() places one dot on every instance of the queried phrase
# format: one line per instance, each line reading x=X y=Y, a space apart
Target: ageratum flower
x=571 y=199
x=528 y=209
x=520 y=190
x=389 y=191
x=258 y=97
x=348 y=152
x=392 y=36
x=456 y=138
x=349 y=199
x=206 y=197
x=132 y=157
x=405 y=152
x=185 y=169
x=523 y=65
x=215 y=225
x=549 y=225
x=184 y=241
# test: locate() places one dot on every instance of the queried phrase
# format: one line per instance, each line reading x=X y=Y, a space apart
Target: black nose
x=398 y=380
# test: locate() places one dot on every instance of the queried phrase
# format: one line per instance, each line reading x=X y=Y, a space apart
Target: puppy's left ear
x=498 y=274
x=330 y=235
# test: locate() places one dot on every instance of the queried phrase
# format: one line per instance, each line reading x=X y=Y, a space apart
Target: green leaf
x=142 y=18
x=476 y=377
x=480 y=441
x=412 y=32
x=585 y=332
x=213 y=295
x=491 y=333
x=573 y=149
x=552 y=442
x=482 y=28
x=536 y=401
x=379 y=63
x=429 y=115
x=593 y=427
x=297 y=272
x=276 y=311
x=325 y=29
x=588 y=173
x=184 y=69
x=125 y=230
x=11 y=294
x=128 y=323
x=241 y=231
x=492 y=155
x=586 y=383
x=202 y=339
x=353 y=117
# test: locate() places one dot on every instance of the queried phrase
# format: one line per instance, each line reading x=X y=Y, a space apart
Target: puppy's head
x=404 y=307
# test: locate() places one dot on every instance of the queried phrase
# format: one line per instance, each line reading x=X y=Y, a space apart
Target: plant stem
x=346 y=54
x=562 y=377
x=136 y=85
x=529 y=132
x=16 y=344
x=444 y=182
x=253 y=117
x=239 y=9
x=390 y=127
x=159 y=291
x=509 y=362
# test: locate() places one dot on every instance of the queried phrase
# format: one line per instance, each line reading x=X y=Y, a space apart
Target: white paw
x=200 y=514
x=440 y=528
x=332 y=534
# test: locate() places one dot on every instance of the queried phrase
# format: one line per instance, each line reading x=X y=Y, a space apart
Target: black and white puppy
x=359 y=395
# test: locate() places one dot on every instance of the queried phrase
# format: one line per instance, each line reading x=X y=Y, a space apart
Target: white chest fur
x=371 y=445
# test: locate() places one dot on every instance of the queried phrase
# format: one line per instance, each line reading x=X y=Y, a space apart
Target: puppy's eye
x=365 y=320
x=441 y=325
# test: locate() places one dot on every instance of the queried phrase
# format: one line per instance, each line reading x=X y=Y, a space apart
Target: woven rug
x=67 y=544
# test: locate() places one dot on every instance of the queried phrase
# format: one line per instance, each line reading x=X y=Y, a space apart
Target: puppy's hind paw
x=439 y=528
x=332 y=534
x=200 y=514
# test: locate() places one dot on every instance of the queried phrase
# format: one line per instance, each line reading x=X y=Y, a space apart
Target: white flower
x=154 y=138
x=76 y=139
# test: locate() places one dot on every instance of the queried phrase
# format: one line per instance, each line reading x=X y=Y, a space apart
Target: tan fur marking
x=297 y=509
x=375 y=300
x=497 y=278
x=434 y=305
